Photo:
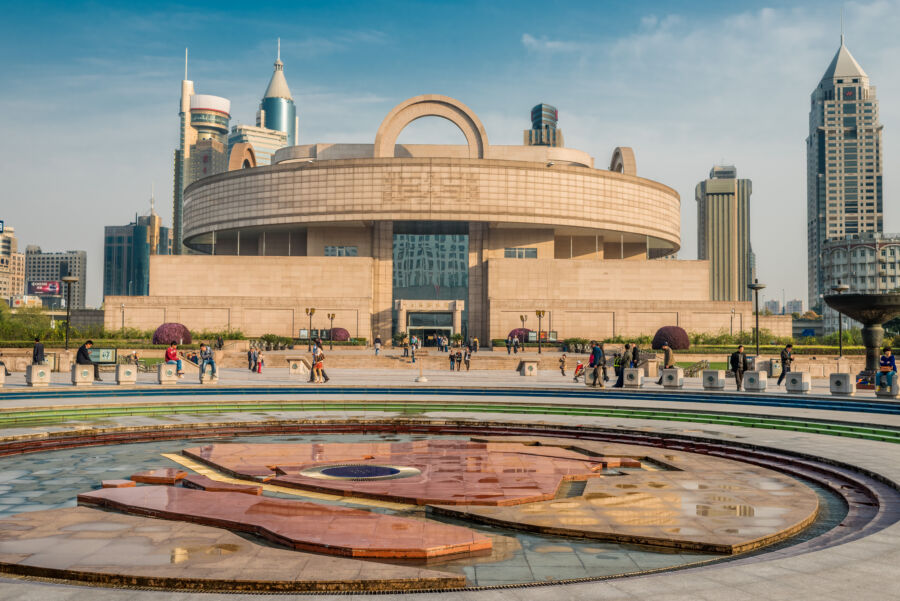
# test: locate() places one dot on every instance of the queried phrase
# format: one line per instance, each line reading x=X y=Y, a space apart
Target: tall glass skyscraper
x=277 y=110
x=544 y=131
x=844 y=166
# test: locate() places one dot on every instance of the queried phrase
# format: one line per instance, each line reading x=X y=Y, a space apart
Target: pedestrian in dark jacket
x=635 y=356
x=459 y=360
x=624 y=362
x=37 y=353
x=597 y=362
x=250 y=359
x=83 y=357
x=787 y=357
x=738 y=364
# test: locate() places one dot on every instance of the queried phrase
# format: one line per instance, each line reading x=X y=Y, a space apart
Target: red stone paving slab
x=199 y=482
x=299 y=525
x=452 y=472
x=118 y=483
x=167 y=475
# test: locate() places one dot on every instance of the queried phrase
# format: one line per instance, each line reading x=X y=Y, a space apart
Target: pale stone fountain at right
x=873 y=311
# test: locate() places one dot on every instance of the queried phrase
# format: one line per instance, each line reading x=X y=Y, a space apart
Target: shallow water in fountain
x=51 y=480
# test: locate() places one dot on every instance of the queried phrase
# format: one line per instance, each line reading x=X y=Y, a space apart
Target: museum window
x=520 y=253
x=341 y=251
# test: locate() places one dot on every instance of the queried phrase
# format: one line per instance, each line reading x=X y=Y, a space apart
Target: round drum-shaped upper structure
x=500 y=192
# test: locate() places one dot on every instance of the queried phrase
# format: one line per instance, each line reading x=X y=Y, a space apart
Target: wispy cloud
x=542 y=44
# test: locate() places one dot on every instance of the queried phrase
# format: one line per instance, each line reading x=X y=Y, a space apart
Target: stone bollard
x=891 y=392
x=842 y=384
x=82 y=375
x=298 y=366
x=755 y=381
x=713 y=379
x=672 y=377
x=37 y=375
x=527 y=367
x=167 y=374
x=798 y=382
x=633 y=377
x=126 y=375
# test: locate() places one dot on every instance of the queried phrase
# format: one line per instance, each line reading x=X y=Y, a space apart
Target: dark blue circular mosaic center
x=360 y=471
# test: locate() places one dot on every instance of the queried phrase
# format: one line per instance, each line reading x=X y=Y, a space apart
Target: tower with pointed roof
x=277 y=110
x=844 y=164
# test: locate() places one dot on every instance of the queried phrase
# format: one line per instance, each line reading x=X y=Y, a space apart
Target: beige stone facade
x=320 y=227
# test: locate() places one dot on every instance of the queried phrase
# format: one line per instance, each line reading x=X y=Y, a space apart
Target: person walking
x=787 y=357
x=452 y=361
x=250 y=358
x=172 y=358
x=509 y=345
x=83 y=357
x=37 y=353
x=459 y=360
x=259 y=361
x=596 y=363
x=467 y=358
x=624 y=363
x=206 y=358
x=887 y=369
x=738 y=364
x=515 y=345
x=377 y=345
x=562 y=364
x=668 y=359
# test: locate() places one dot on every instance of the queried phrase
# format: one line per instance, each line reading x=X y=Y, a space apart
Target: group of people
x=460 y=356
x=512 y=345
x=255 y=360
x=595 y=372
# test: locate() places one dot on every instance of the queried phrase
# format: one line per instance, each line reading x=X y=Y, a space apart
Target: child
x=579 y=369
x=562 y=364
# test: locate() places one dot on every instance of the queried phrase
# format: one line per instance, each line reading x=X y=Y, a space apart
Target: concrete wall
x=318 y=238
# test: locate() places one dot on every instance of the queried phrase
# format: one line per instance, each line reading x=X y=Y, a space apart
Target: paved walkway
x=862 y=570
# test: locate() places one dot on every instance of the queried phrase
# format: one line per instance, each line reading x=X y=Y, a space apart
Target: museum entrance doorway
x=429 y=336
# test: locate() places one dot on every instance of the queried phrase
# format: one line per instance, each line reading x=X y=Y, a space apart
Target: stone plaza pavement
x=864 y=569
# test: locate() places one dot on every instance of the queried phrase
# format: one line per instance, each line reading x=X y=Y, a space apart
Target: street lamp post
x=838 y=289
x=122 y=306
x=756 y=287
x=69 y=281
x=540 y=315
x=732 y=321
x=310 y=311
x=331 y=332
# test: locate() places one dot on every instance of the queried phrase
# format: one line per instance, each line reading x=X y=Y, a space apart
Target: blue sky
x=89 y=93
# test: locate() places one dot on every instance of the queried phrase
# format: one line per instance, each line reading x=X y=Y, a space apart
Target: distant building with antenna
x=127 y=250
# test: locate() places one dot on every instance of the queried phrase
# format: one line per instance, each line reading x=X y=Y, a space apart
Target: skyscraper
x=723 y=233
x=126 y=254
x=203 y=146
x=277 y=110
x=53 y=267
x=543 y=130
x=264 y=141
x=844 y=166
x=12 y=265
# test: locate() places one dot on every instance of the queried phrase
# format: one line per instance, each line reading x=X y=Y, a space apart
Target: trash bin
x=774 y=368
x=751 y=363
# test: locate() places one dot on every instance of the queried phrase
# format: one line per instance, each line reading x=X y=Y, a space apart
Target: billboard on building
x=52 y=287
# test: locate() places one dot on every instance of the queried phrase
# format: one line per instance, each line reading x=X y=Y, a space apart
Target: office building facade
x=12 y=266
x=126 y=254
x=264 y=141
x=844 y=164
x=41 y=267
x=793 y=306
x=723 y=233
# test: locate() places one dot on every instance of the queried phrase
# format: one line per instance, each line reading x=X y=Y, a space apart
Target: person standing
x=887 y=369
x=475 y=345
x=515 y=345
x=624 y=363
x=172 y=358
x=452 y=361
x=459 y=360
x=635 y=355
x=596 y=363
x=259 y=361
x=37 y=353
x=220 y=342
x=738 y=364
x=377 y=345
x=250 y=358
x=668 y=359
x=509 y=345
x=787 y=357
x=562 y=364
x=206 y=358
x=83 y=357
x=467 y=358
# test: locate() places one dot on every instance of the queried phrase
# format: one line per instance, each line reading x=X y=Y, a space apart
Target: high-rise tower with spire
x=844 y=163
x=277 y=110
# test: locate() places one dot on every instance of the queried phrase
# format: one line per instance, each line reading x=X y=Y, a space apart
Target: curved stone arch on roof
x=431 y=105
x=623 y=161
x=242 y=157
